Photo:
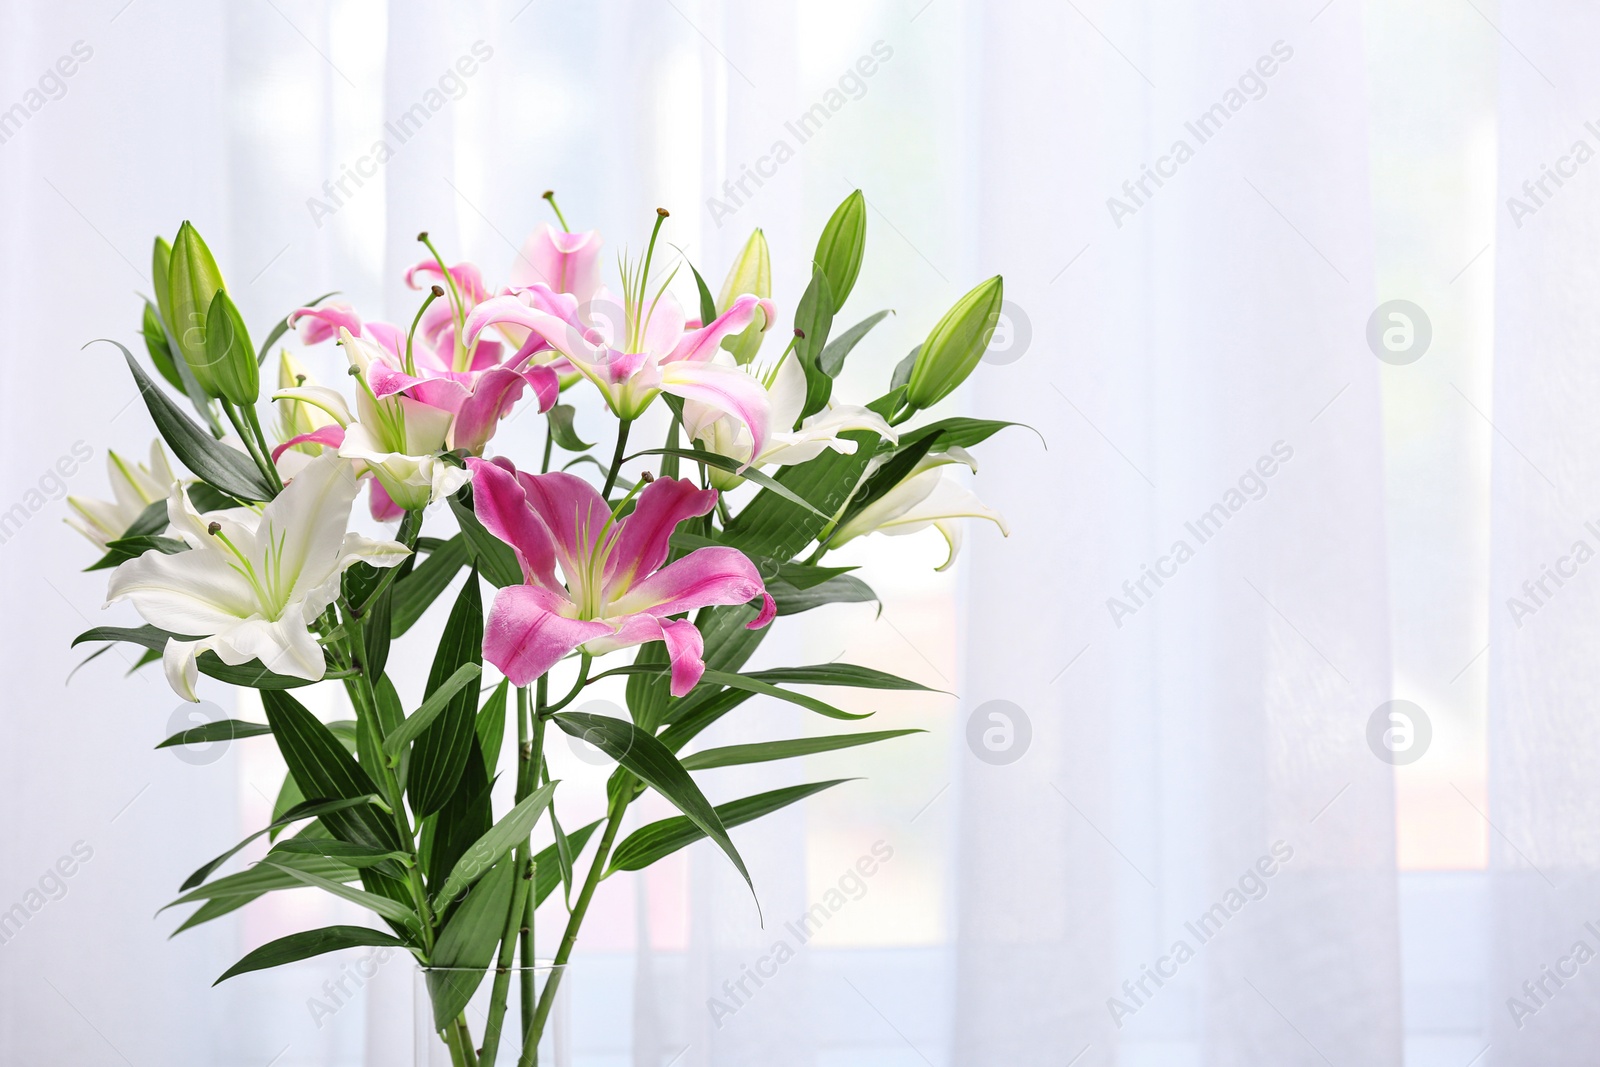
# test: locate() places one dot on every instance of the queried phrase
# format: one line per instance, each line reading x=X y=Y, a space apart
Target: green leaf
x=844 y=589
x=152 y=520
x=376 y=634
x=465 y=817
x=133 y=547
x=848 y=674
x=761 y=688
x=224 y=467
x=491 y=725
x=562 y=430
x=440 y=752
x=897 y=469
x=647 y=694
x=902 y=370
x=721 y=462
x=431 y=708
x=831 y=361
x=311 y=810
x=813 y=318
x=842 y=245
x=282 y=327
x=960 y=433
x=225 y=730
x=392 y=910
x=766 y=751
x=414 y=593
x=265 y=879
x=310 y=943
x=465 y=948
x=657 y=767
x=770 y=525
x=502 y=837
x=496 y=559
x=657 y=840
x=343 y=851
x=547 y=864
x=708 y=306
x=322 y=767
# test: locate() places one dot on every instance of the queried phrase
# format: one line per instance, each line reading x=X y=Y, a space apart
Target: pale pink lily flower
x=613 y=591
x=566 y=262
x=644 y=351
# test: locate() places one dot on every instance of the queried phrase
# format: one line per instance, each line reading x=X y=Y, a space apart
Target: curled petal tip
x=769 y=609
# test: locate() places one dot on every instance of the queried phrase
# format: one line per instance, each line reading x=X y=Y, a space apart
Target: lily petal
x=527 y=633
x=703 y=578
x=643 y=540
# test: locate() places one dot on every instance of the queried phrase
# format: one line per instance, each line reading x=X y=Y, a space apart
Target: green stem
x=533 y=762
x=508 y=944
x=263 y=464
x=577 y=687
x=266 y=449
x=410 y=527
x=619 y=807
x=616 y=457
x=549 y=444
x=458 y=1038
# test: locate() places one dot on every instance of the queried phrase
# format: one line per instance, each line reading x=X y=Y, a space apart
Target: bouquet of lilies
x=244 y=569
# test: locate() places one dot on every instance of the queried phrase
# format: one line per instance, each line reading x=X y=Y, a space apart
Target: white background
x=1169 y=348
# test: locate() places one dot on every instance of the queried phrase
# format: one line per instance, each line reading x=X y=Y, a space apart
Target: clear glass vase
x=443 y=1039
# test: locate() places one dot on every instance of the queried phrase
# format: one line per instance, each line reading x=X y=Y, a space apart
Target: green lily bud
x=956 y=344
x=192 y=280
x=160 y=261
x=751 y=273
x=228 y=352
x=843 y=241
x=155 y=342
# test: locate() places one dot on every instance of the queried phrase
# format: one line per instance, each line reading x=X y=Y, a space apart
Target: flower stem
x=508 y=943
x=532 y=755
x=266 y=450
x=616 y=457
x=619 y=807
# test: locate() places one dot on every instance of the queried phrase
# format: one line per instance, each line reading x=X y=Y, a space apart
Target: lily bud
x=228 y=350
x=843 y=241
x=751 y=273
x=192 y=281
x=956 y=345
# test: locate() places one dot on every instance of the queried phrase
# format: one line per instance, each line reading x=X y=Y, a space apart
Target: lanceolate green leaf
x=226 y=468
x=310 y=943
x=322 y=767
x=562 y=430
x=311 y=810
x=501 y=839
x=771 y=525
x=152 y=520
x=962 y=433
x=440 y=752
x=650 y=843
x=420 y=719
x=737 y=755
x=658 y=768
x=225 y=730
x=547 y=866
x=832 y=359
x=466 y=946
x=343 y=851
x=491 y=725
x=496 y=559
x=247 y=885
x=416 y=592
x=392 y=910
x=843 y=589
x=813 y=318
x=838 y=674
x=757 y=686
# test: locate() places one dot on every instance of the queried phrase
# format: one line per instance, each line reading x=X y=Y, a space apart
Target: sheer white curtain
x=1195 y=358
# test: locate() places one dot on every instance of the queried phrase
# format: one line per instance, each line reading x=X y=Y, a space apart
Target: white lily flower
x=926 y=497
x=397 y=438
x=786 y=397
x=251 y=582
x=135 y=487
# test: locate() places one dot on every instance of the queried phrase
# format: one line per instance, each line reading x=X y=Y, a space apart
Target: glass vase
x=461 y=1039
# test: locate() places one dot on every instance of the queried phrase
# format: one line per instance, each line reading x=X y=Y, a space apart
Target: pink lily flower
x=615 y=592
x=566 y=262
x=646 y=350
